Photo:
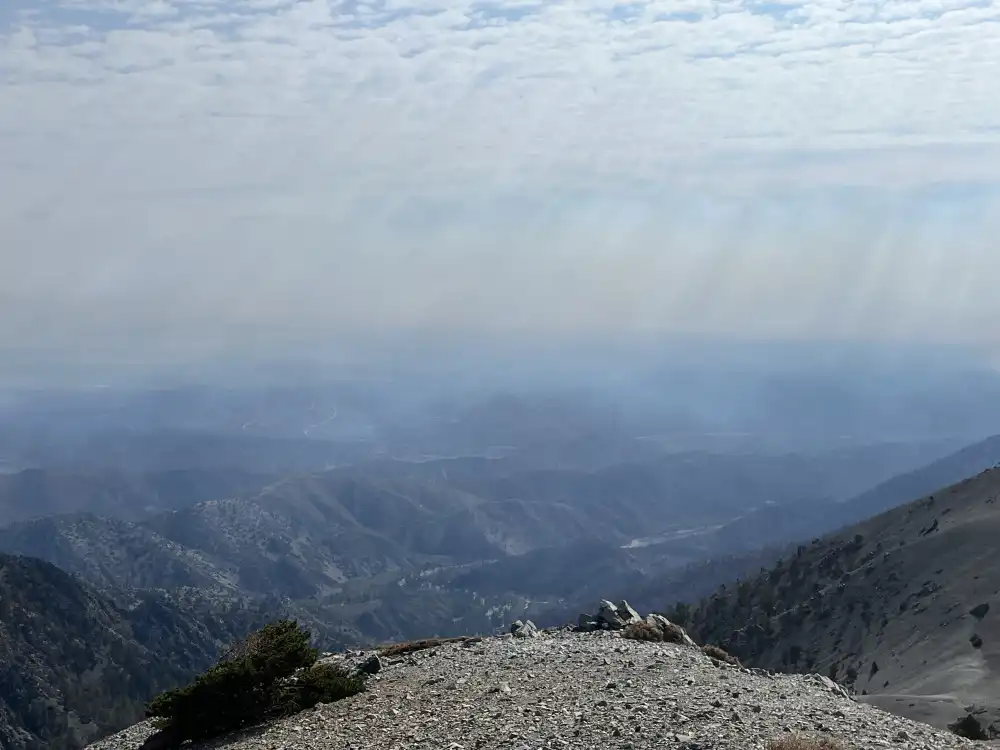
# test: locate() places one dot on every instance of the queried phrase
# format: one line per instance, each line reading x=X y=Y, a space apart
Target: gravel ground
x=575 y=690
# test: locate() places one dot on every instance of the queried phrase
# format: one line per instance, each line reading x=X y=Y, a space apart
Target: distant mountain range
x=383 y=550
x=778 y=523
x=37 y=493
x=373 y=525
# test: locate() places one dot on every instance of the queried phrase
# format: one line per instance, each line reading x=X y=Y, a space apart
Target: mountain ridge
x=34 y=493
x=561 y=689
x=447 y=547
x=904 y=604
x=76 y=664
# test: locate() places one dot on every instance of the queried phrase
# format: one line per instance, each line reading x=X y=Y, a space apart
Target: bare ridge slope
x=904 y=607
x=576 y=691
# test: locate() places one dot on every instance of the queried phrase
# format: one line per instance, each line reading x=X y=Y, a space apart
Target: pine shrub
x=271 y=673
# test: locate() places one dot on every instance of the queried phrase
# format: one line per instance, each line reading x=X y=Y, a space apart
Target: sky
x=182 y=178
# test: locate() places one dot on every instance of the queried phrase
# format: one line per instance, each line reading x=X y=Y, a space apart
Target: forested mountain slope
x=903 y=607
x=75 y=665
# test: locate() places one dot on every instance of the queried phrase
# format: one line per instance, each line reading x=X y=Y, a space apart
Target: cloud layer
x=183 y=174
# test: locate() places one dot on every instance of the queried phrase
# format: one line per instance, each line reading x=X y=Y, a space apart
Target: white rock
x=626 y=613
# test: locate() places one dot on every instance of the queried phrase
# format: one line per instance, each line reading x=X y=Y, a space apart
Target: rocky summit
x=565 y=688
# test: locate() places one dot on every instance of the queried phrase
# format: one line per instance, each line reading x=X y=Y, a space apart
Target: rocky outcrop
x=361 y=664
x=609 y=617
x=622 y=616
x=520 y=629
x=570 y=690
x=371 y=665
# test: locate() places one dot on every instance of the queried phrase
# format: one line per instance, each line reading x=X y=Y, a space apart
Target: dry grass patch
x=642 y=631
x=804 y=742
x=720 y=654
x=645 y=631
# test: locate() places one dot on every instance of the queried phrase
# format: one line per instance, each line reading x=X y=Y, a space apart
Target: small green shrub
x=269 y=674
x=321 y=683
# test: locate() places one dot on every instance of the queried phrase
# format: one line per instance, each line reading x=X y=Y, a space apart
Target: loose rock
x=551 y=691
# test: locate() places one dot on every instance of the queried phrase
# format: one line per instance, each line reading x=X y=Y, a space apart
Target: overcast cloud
x=178 y=176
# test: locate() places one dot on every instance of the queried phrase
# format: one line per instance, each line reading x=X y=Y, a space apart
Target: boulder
x=608 y=614
x=673 y=633
x=371 y=665
x=587 y=623
x=825 y=682
x=627 y=614
x=525 y=630
x=612 y=616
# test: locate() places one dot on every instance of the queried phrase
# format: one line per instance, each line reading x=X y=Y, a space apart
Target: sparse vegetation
x=644 y=631
x=672 y=633
x=719 y=654
x=804 y=742
x=271 y=673
x=322 y=683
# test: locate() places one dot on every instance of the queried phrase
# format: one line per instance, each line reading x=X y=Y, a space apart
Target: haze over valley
x=389 y=509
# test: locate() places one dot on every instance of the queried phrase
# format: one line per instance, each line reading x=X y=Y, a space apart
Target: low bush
x=321 y=683
x=269 y=674
x=642 y=631
x=720 y=654
x=663 y=632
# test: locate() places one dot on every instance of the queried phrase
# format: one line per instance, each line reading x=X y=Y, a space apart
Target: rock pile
x=620 y=616
x=520 y=629
x=608 y=617
x=359 y=663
